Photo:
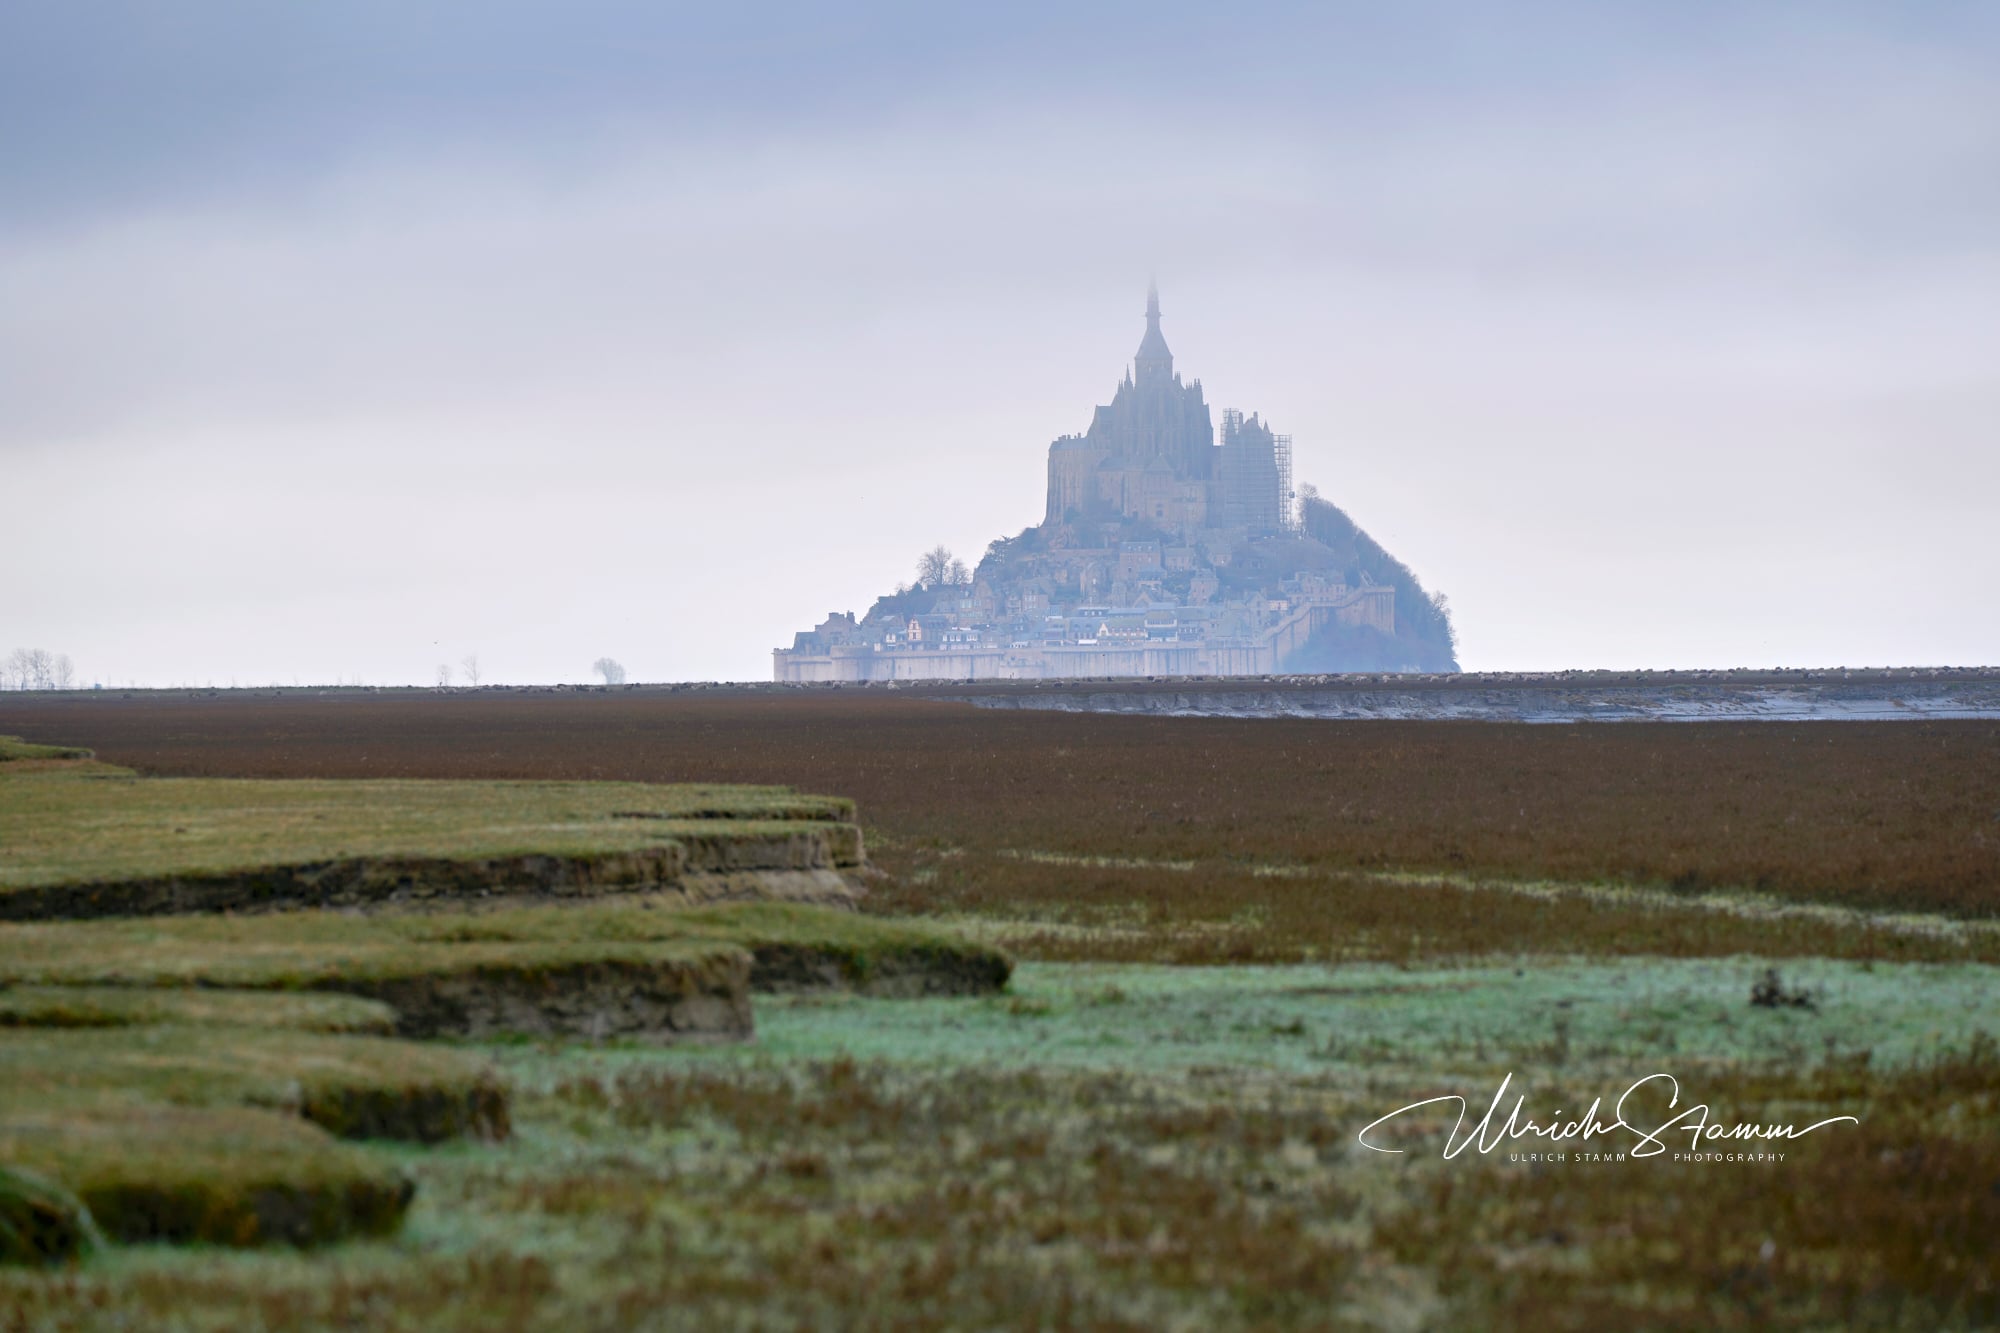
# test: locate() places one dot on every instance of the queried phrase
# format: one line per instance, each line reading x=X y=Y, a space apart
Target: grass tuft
x=13 y=749
x=592 y=970
x=355 y=1087
x=41 y=1223
x=120 y=1006
x=216 y=1176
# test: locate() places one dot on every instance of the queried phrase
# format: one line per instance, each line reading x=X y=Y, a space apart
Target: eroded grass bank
x=171 y=1071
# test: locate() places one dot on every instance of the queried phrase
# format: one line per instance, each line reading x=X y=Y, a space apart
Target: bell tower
x=1154 y=364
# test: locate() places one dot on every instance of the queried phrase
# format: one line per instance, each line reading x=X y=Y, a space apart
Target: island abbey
x=1152 y=453
x=1168 y=547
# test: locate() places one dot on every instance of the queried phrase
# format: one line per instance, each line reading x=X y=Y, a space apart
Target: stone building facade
x=1151 y=453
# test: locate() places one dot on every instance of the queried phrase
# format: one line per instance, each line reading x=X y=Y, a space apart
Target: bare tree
x=444 y=675
x=933 y=567
x=36 y=669
x=957 y=576
x=613 y=673
x=469 y=664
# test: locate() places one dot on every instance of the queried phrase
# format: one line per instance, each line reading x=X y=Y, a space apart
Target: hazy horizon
x=340 y=344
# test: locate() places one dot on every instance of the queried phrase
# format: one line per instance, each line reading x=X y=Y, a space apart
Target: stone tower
x=1148 y=452
x=1154 y=364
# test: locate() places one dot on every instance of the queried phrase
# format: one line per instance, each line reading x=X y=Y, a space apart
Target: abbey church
x=1170 y=546
x=1153 y=453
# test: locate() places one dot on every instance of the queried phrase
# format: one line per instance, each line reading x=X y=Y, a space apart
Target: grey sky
x=344 y=340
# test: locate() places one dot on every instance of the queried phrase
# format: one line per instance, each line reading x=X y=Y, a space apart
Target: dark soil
x=706 y=1000
x=355 y=882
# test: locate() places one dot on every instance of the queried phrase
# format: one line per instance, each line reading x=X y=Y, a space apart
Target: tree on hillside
x=1424 y=635
x=934 y=567
x=613 y=673
x=939 y=568
x=1003 y=550
x=1442 y=605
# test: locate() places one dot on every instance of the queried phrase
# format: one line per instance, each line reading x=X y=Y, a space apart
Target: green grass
x=186 y=1079
x=224 y=1176
x=346 y=952
x=89 y=824
x=1148 y=1147
x=13 y=748
x=221 y=1134
x=307 y=950
x=148 y=1092
x=354 y=1087
x=1361 y=1021
x=118 y=1006
x=41 y=1222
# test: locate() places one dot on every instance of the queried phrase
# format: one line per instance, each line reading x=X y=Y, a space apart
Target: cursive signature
x=1695 y=1122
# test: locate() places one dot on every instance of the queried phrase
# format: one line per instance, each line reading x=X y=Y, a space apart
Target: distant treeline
x=37 y=669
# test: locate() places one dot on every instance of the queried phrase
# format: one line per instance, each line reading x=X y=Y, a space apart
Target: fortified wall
x=1262 y=656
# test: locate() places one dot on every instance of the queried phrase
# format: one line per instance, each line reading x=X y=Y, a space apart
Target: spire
x=1154 y=361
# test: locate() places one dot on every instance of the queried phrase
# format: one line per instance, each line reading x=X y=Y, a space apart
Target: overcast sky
x=338 y=341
